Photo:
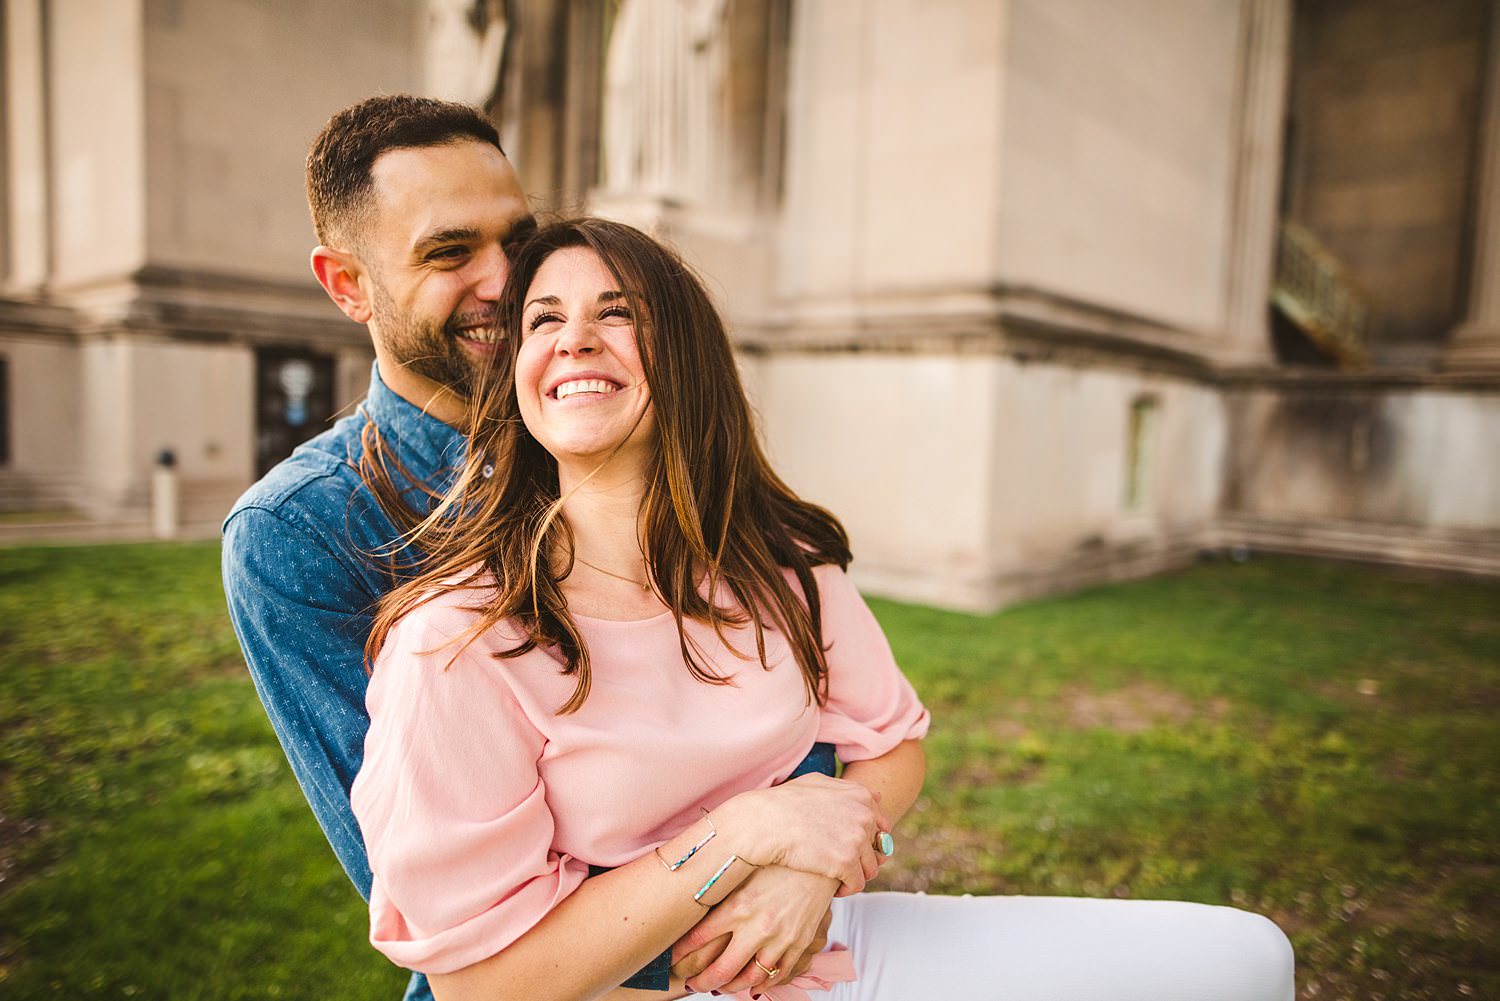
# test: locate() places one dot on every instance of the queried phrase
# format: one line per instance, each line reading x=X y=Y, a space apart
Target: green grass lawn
x=1316 y=742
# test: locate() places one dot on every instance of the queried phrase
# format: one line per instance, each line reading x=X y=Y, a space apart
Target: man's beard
x=428 y=349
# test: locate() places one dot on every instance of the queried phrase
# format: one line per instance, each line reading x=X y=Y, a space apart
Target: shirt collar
x=426 y=446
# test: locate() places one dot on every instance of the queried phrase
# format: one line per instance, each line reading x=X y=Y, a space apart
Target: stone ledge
x=1474 y=552
x=1088 y=564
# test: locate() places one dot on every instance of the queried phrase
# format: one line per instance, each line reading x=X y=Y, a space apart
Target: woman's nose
x=577 y=338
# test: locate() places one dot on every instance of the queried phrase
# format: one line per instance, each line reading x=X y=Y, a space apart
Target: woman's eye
x=618 y=312
x=542 y=318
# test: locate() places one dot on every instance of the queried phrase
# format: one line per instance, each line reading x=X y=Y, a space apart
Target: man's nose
x=491 y=270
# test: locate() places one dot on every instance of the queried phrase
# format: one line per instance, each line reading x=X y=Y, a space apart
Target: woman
x=631 y=635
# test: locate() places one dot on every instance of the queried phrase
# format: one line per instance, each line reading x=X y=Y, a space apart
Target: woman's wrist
x=742 y=827
x=705 y=858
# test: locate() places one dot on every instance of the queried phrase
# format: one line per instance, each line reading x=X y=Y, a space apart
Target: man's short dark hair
x=339 y=185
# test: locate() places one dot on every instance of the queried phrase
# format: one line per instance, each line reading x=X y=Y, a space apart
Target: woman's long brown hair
x=716 y=521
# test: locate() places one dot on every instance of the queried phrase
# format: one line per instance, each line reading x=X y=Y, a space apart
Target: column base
x=1473 y=349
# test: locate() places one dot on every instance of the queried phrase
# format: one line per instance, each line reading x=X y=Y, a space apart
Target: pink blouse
x=482 y=808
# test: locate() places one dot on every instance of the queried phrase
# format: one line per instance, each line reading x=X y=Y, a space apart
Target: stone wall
x=1117 y=136
x=45 y=449
x=235 y=93
x=1417 y=457
x=972 y=480
x=893 y=148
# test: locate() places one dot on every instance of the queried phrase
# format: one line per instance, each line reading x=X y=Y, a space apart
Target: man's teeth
x=484 y=335
x=577 y=386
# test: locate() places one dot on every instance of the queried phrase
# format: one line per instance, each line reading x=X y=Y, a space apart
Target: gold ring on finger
x=771 y=972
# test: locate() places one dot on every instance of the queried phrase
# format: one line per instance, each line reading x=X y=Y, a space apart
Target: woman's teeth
x=577 y=386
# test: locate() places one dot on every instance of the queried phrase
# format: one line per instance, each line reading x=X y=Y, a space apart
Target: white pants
x=914 y=947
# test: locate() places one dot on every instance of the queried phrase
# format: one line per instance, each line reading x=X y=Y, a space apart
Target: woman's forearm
x=896 y=775
x=603 y=932
x=614 y=923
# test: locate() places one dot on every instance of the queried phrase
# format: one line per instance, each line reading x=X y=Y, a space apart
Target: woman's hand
x=778 y=917
x=816 y=824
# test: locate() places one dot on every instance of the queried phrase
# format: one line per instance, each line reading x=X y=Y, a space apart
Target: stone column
x=582 y=96
x=1475 y=346
x=1265 y=57
x=26 y=252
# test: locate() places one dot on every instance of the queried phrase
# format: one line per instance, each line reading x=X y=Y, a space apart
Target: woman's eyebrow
x=551 y=300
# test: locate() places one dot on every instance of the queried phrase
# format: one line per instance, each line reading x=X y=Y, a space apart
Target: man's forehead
x=464 y=185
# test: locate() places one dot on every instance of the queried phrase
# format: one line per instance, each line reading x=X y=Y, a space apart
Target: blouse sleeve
x=451 y=804
x=871 y=706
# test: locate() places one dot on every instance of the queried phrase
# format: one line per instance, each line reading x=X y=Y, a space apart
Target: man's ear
x=339 y=273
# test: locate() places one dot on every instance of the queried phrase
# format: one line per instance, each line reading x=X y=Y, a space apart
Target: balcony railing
x=1319 y=295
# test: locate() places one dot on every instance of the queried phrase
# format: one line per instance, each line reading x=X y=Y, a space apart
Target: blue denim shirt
x=302 y=589
x=302 y=592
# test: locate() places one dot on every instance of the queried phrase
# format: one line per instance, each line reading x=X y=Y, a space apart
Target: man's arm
x=301 y=613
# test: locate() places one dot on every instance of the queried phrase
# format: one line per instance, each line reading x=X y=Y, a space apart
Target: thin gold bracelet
x=674 y=866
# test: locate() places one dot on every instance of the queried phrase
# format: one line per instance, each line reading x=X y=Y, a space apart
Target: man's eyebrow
x=442 y=236
x=521 y=230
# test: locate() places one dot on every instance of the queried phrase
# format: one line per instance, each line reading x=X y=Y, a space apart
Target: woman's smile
x=586 y=386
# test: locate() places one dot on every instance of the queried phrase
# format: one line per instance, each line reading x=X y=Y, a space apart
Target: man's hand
x=778 y=916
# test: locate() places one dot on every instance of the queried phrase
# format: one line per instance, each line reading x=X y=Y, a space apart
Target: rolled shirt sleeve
x=452 y=806
x=871 y=706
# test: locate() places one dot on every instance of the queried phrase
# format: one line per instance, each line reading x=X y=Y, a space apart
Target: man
x=414 y=205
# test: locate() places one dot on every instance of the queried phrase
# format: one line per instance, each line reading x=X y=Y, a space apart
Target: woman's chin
x=583 y=455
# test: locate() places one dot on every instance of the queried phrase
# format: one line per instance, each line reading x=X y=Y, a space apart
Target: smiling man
x=416 y=210
x=415 y=206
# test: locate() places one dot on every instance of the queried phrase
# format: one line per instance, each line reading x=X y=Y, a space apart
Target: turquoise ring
x=886 y=844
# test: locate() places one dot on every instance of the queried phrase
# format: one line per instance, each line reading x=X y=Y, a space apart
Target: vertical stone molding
x=1475 y=346
x=25 y=248
x=1265 y=65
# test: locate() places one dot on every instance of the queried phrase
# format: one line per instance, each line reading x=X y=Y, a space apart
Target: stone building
x=1031 y=292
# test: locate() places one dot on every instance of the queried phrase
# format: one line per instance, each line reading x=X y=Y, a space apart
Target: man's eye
x=448 y=255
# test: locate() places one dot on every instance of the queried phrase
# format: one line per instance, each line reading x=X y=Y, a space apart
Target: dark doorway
x=293 y=401
x=1384 y=116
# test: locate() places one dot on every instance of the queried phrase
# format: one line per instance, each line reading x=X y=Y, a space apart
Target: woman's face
x=579 y=381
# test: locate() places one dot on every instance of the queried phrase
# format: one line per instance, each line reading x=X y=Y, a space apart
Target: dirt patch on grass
x=1009 y=730
x=15 y=834
x=941 y=858
x=1136 y=707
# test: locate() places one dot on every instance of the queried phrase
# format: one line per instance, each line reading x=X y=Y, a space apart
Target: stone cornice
x=1034 y=325
x=22 y=316
x=203 y=306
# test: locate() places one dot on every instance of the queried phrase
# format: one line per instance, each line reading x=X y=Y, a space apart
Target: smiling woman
x=588 y=712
